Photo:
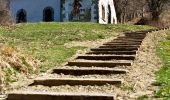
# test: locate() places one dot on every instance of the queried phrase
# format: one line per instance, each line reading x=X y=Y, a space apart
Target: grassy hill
x=41 y=45
x=163 y=75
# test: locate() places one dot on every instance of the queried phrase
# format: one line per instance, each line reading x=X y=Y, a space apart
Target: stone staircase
x=99 y=61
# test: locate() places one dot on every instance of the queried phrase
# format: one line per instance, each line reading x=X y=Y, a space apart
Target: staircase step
x=135 y=35
x=127 y=42
x=31 y=95
x=83 y=71
x=106 y=57
x=125 y=37
x=98 y=63
x=122 y=43
x=118 y=46
x=120 y=40
x=76 y=81
x=115 y=49
x=138 y=33
x=113 y=52
x=149 y=30
x=128 y=39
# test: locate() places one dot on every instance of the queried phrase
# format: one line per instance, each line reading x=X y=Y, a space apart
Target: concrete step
x=76 y=81
x=32 y=95
x=118 y=46
x=98 y=63
x=107 y=57
x=83 y=71
x=116 y=49
x=113 y=52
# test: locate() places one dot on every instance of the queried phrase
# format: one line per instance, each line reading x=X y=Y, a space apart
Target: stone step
x=118 y=46
x=113 y=52
x=98 y=63
x=107 y=57
x=83 y=71
x=76 y=81
x=32 y=95
x=116 y=49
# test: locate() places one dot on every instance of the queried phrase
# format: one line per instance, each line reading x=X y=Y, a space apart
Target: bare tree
x=4 y=12
x=127 y=10
x=156 y=7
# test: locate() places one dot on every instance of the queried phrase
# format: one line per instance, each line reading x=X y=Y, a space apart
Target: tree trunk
x=155 y=16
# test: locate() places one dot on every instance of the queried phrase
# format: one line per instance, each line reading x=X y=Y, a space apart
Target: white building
x=101 y=11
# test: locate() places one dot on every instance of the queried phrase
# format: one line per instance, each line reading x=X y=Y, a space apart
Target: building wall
x=34 y=9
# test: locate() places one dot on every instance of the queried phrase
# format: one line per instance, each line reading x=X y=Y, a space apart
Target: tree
x=156 y=7
x=127 y=10
x=4 y=12
x=76 y=5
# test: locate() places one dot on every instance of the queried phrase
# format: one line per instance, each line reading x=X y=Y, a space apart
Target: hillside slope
x=29 y=48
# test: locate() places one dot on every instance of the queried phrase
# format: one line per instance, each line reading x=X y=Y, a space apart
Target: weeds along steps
x=96 y=75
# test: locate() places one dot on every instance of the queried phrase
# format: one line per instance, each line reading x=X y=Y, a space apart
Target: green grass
x=163 y=75
x=144 y=97
x=45 y=41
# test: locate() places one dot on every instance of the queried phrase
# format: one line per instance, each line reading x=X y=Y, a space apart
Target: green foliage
x=144 y=97
x=10 y=73
x=163 y=75
x=45 y=41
